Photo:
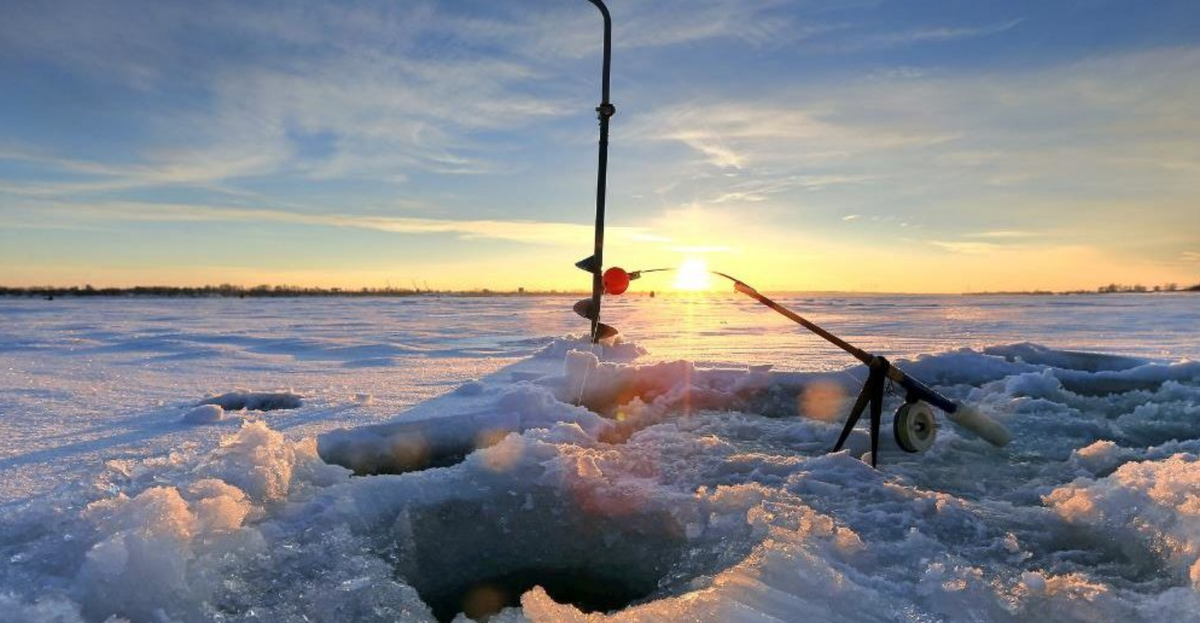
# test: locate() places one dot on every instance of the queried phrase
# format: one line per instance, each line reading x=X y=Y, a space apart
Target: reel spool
x=915 y=427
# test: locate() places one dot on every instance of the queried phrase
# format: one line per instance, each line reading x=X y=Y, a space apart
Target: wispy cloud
x=926 y=35
x=566 y=30
x=200 y=168
x=967 y=248
x=1188 y=167
x=525 y=231
x=738 y=134
x=992 y=241
x=701 y=250
x=1004 y=233
x=762 y=189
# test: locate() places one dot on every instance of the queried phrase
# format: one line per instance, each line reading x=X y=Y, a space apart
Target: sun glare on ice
x=693 y=275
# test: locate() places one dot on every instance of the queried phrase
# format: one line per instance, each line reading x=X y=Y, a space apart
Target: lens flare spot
x=410 y=452
x=822 y=400
x=500 y=454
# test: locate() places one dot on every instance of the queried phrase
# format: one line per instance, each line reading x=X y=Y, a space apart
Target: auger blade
x=584 y=308
x=588 y=264
x=605 y=332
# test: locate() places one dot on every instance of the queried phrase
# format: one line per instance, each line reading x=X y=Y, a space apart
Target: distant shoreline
x=225 y=291
x=260 y=292
x=1111 y=289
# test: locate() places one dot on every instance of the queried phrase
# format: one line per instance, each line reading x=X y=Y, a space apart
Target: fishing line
x=587 y=372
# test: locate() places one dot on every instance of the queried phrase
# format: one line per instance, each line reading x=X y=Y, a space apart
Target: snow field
x=672 y=492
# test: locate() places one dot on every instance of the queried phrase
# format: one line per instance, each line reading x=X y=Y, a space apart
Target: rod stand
x=871 y=395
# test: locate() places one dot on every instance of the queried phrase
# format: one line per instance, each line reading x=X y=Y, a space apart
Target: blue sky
x=888 y=146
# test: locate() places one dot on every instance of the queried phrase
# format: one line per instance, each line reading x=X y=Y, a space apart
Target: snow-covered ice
x=680 y=476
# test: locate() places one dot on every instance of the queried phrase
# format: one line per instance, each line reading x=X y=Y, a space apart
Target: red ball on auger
x=616 y=280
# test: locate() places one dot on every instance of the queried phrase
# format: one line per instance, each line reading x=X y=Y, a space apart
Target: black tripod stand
x=871 y=395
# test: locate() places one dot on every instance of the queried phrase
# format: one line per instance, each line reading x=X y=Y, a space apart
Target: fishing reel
x=915 y=427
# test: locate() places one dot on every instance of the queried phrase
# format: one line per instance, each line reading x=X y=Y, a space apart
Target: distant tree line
x=1114 y=288
x=226 y=290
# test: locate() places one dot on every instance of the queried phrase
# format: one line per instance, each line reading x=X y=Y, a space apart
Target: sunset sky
x=939 y=146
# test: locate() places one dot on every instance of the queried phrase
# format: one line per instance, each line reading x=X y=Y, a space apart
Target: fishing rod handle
x=974 y=420
x=965 y=416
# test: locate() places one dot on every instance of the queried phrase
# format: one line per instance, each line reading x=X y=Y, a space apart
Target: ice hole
x=479 y=557
x=255 y=401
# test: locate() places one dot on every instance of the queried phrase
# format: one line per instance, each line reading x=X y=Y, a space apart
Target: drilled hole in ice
x=479 y=557
x=586 y=589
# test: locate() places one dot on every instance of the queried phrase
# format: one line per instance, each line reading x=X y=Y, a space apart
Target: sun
x=693 y=275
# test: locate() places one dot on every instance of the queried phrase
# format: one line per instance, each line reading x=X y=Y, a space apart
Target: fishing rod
x=914 y=425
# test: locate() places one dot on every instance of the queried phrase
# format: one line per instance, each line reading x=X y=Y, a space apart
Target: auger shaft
x=605 y=111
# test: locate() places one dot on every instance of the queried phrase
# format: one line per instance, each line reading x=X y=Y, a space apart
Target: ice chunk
x=1099 y=457
x=621 y=350
x=266 y=465
x=161 y=554
x=204 y=414
x=1151 y=504
x=52 y=609
x=1071 y=360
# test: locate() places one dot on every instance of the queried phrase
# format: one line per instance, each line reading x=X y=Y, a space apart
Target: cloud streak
x=918 y=36
x=967 y=248
x=524 y=231
x=1004 y=234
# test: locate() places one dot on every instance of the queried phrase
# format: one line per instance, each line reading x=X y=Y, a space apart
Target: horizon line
x=282 y=290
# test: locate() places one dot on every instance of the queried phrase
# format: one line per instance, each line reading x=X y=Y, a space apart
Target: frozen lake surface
x=695 y=491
